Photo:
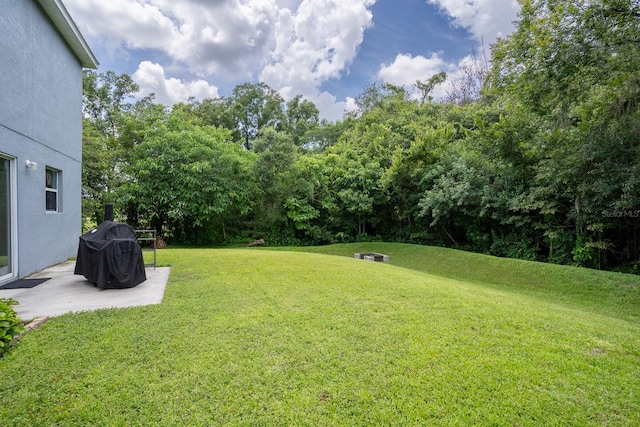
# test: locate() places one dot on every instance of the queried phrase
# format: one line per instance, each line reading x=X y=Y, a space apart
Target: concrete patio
x=65 y=292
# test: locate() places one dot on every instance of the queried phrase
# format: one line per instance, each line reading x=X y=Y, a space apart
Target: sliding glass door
x=6 y=242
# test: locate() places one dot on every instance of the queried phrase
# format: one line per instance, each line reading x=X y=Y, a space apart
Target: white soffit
x=69 y=31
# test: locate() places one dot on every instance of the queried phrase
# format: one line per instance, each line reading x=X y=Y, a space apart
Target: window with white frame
x=52 y=189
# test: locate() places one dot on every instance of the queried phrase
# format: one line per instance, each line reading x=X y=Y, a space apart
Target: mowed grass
x=264 y=338
x=608 y=293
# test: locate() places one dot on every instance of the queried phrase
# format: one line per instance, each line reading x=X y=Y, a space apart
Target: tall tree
x=108 y=99
x=106 y=96
x=187 y=177
x=302 y=116
x=574 y=64
x=216 y=112
x=273 y=169
x=467 y=88
x=427 y=87
x=254 y=107
x=97 y=173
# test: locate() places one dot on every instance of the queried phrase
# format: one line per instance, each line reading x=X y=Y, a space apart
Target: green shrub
x=561 y=244
x=514 y=246
x=10 y=324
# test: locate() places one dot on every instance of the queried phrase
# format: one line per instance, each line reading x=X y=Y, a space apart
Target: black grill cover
x=110 y=257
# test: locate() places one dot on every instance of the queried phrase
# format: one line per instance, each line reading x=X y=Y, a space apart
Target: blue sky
x=416 y=28
x=326 y=50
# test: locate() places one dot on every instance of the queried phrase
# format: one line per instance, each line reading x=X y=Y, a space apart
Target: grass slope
x=261 y=337
x=608 y=293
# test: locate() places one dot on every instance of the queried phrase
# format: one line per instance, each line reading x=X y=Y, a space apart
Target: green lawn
x=261 y=337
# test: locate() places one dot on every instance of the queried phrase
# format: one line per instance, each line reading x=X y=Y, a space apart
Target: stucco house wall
x=41 y=121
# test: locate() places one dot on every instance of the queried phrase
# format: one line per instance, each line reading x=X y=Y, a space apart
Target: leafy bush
x=315 y=235
x=561 y=244
x=588 y=253
x=514 y=246
x=281 y=236
x=10 y=324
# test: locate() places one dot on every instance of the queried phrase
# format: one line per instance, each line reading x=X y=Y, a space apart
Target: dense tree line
x=535 y=155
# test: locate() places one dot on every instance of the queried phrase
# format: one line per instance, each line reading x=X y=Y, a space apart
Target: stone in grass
x=31 y=326
x=372 y=256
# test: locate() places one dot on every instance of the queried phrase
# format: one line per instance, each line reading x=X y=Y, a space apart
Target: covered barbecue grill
x=110 y=257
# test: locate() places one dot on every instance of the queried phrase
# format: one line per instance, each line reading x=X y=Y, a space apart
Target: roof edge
x=62 y=20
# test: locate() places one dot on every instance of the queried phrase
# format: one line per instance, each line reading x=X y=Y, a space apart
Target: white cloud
x=129 y=22
x=281 y=37
x=231 y=35
x=292 y=45
x=207 y=36
x=406 y=69
x=151 y=79
x=313 y=45
x=330 y=109
x=485 y=19
x=289 y=4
